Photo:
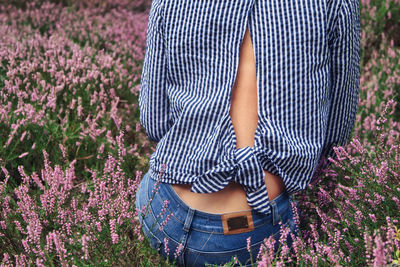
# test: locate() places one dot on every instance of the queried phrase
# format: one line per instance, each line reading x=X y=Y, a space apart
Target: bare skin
x=244 y=117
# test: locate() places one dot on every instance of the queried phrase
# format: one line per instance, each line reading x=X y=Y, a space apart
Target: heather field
x=72 y=150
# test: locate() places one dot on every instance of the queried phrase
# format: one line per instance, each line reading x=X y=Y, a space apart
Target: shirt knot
x=242 y=166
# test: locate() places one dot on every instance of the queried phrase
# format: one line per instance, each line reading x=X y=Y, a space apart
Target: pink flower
x=114 y=235
x=166 y=248
x=23 y=154
x=178 y=250
x=373 y=218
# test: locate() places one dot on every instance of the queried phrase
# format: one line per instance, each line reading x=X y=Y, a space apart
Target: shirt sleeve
x=344 y=45
x=153 y=99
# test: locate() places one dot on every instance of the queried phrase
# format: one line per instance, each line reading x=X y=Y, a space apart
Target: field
x=72 y=150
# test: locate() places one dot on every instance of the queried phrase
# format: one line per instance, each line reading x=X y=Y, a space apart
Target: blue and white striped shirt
x=307 y=55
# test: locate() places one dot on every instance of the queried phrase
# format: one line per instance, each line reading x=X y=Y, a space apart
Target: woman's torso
x=244 y=118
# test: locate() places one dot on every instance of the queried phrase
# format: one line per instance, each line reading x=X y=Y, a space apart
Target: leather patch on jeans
x=237 y=222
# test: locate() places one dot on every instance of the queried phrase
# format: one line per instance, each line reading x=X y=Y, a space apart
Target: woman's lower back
x=244 y=119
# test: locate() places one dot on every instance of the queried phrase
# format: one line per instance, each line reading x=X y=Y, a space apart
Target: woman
x=244 y=99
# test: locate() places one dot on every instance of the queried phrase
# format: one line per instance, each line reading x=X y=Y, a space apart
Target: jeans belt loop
x=275 y=213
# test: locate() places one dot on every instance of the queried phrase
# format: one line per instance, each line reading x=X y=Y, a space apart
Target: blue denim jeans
x=200 y=234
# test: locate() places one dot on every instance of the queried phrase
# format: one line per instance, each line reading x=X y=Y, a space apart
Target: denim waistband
x=212 y=221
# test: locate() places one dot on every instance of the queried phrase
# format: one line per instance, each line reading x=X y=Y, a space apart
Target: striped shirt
x=307 y=56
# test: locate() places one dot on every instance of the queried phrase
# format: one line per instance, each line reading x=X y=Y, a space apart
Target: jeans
x=197 y=236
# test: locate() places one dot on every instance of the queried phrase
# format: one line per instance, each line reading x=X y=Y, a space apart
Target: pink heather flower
x=166 y=248
x=85 y=246
x=63 y=151
x=6 y=258
x=314 y=232
x=268 y=256
x=23 y=154
x=379 y=252
x=6 y=206
x=373 y=218
x=19 y=227
x=236 y=259
x=395 y=199
x=284 y=232
x=161 y=227
x=138 y=233
x=178 y=250
x=4 y=183
x=262 y=263
x=5 y=171
x=296 y=216
x=36 y=179
x=98 y=225
x=26 y=245
x=59 y=245
x=80 y=108
x=22 y=136
x=358 y=217
x=114 y=235
x=101 y=148
x=120 y=143
x=134 y=90
x=165 y=205
x=21 y=260
x=248 y=243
